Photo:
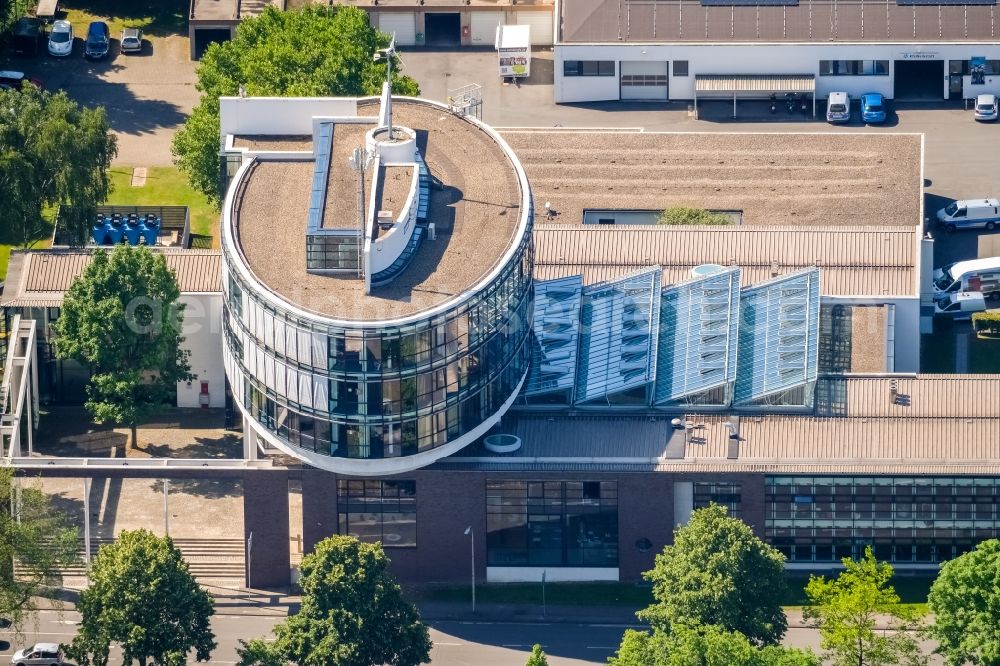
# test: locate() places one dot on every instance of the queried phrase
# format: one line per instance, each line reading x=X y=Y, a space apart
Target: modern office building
x=441 y=326
x=739 y=49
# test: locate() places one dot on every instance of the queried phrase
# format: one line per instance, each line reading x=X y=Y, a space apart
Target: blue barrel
x=149 y=233
x=132 y=233
x=99 y=234
x=114 y=234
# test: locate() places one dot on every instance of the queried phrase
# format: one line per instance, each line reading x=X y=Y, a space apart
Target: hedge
x=986 y=323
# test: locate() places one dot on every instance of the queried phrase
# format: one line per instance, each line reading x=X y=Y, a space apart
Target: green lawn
x=157 y=18
x=167 y=186
x=912 y=590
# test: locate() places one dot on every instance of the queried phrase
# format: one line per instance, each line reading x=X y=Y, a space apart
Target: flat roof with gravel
x=775 y=179
x=474 y=206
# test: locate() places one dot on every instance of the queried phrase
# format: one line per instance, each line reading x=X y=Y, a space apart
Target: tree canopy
x=687 y=645
x=682 y=215
x=965 y=601
x=717 y=572
x=537 y=657
x=846 y=610
x=53 y=152
x=39 y=538
x=121 y=319
x=142 y=597
x=353 y=614
x=312 y=51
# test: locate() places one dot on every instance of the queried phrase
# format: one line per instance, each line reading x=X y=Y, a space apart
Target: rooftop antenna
x=388 y=54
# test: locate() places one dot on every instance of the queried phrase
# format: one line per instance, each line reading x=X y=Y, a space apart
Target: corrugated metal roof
x=855 y=261
x=951 y=397
x=726 y=84
x=44 y=276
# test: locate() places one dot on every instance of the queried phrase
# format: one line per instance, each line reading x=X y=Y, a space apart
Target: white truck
x=513 y=44
x=970 y=214
x=981 y=275
x=959 y=304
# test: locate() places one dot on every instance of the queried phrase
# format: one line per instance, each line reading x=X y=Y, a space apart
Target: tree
x=353 y=614
x=143 y=597
x=693 y=645
x=53 y=152
x=121 y=319
x=717 y=572
x=39 y=538
x=682 y=215
x=537 y=657
x=313 y=51
x=965 y=601
x=846 y=609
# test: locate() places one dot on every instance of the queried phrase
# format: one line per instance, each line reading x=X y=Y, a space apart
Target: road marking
x=437 y=643
x=513 y=645
x=600 y=647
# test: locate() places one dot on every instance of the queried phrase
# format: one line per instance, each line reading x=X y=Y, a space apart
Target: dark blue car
x=872 y=108
x=98 y=40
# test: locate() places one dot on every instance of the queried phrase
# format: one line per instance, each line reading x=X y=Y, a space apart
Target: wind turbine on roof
x=388 y=54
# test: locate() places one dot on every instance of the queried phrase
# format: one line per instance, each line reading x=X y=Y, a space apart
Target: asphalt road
x=455 y=643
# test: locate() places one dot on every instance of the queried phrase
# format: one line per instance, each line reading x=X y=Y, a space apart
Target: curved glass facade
x=374 y=390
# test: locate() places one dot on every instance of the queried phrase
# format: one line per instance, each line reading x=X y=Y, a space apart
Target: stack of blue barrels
x=112 y=229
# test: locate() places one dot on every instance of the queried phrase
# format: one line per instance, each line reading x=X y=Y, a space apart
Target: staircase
x=210 y=561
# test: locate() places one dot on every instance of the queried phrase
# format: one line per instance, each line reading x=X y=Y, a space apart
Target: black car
x=98 y=40
x=29 y=33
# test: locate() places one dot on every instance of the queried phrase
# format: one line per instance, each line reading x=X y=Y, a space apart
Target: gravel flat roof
x=263 y=142
x=824 y=180
x=474 y=205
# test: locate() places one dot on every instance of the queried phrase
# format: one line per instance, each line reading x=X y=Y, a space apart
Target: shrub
x=986 y=323
x=682 y=215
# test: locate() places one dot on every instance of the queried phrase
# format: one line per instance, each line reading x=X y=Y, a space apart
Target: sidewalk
x=499 y=612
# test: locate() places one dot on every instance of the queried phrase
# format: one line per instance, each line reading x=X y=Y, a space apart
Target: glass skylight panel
x=557 y=330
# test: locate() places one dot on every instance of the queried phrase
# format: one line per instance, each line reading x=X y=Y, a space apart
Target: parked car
x=838 y=108
x=872 y=108
x=28 y=35
x=982 y=275
x=986 y=107
x=959 y=304
x=98 y=40
x=39 y=654
x=970 y=214
x=131 y=40
x=15 y=80
x=61 y=39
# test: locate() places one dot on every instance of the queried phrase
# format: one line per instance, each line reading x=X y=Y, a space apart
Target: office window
x=680 y=67
x=589 y=68
x=552 y=523
x=383 y=511
x=724 y=494
x=854 y=68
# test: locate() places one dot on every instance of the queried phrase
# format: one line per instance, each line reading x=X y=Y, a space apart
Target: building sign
x=513 y=62
x=919 y=56
x=977 y=71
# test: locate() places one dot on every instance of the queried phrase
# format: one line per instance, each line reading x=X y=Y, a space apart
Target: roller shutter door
x=541 y=26
x=484 y=27
x=403 y=24
x=644 y=80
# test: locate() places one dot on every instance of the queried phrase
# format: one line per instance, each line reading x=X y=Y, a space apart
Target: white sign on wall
x=919 y=56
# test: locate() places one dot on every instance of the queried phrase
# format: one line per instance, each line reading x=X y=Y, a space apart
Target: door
x=644 y=80
x=918 y=80
x=484 y=28
x=402 y=24
x=541 y=26
x=443 y=29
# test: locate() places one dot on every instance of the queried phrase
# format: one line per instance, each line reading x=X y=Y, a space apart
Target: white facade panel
x=484 y=28
x=401 y=24
x=644 y=80
x=759 y=58
x=203 y=339
x=541 y=26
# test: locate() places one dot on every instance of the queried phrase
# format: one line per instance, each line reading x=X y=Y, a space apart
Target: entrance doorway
x=442 y=29
x=918 y=80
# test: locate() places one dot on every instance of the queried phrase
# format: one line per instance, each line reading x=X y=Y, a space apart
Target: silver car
x=986 y=107
x=39 y=654
x=131 y=40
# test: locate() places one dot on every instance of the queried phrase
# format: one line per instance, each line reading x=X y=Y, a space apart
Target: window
x=647 y=80
x=589 y=68
x=552 y=523
x=854 y=68
x=680 y=67
x=724 y=494
x=384 y=511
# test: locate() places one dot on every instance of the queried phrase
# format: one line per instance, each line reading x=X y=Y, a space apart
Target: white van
x=959 y=304
x=838 y=108
x=982 y=275
x=970 y=214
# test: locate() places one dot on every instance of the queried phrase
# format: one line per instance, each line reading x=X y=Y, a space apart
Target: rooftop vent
x=502 y=443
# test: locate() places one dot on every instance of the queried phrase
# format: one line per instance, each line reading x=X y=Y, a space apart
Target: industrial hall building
x=444 y=332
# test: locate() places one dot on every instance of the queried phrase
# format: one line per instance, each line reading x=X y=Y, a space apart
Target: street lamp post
x=472 y=543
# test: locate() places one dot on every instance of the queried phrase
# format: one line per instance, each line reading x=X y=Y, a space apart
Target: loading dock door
x=644 y=80
x=918 y=80
x=402 y=24
x=484 y=27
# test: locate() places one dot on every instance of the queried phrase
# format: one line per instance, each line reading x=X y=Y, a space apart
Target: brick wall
x=265 y=515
